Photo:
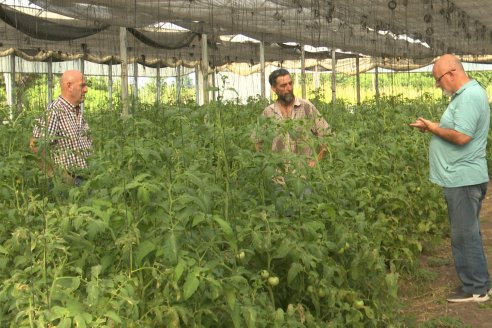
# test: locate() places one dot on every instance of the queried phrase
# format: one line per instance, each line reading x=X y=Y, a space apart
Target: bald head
x=73 y=87
x=449 y=73
x=447 y=63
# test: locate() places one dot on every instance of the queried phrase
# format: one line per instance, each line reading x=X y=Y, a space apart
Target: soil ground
x=425 y=297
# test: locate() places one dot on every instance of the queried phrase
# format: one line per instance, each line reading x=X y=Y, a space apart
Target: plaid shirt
x=67 y=133
x=302 y=110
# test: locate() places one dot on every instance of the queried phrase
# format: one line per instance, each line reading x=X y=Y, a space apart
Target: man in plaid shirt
x=64 y=131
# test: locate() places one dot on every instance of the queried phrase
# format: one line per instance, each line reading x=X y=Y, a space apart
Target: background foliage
x=32 y=91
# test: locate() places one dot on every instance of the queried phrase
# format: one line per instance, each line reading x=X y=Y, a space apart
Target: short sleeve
x=321 y=126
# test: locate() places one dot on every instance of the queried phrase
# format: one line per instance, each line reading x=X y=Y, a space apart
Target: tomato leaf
x=191 y=285
x=294 y=271
x=145 y=248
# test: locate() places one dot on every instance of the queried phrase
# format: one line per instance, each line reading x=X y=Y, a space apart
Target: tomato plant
x=181 y=222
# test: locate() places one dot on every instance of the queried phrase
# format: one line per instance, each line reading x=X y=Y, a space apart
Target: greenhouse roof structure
x=168 y=32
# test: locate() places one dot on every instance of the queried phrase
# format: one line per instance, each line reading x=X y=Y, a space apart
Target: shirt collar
x=465 y=86
x=75 y=109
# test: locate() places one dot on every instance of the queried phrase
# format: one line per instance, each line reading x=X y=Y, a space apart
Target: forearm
x=44 y=163
x=322 y=151
x=33 y=145
x=450 y=135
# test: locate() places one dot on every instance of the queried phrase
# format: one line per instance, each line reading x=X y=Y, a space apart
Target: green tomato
x=359 y=304
x=273 y=281
x=143 y=195
x=290 y=310
x=240 y=255
x=264 y=274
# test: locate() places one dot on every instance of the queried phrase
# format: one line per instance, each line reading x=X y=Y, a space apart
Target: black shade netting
x=45 y=29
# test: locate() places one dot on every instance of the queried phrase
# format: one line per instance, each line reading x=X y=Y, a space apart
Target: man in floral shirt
x=64 y=132
x=287 y=108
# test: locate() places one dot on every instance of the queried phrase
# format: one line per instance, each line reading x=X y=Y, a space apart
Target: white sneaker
x=462 y=297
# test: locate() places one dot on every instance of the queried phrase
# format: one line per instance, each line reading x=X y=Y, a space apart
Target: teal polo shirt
x=453 y=165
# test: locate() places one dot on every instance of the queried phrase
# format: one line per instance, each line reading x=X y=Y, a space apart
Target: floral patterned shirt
x=296 y=140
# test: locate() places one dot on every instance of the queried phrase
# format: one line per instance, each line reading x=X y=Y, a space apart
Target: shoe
x=462 y=297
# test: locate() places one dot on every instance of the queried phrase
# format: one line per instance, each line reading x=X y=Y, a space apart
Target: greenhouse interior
x=184 y=217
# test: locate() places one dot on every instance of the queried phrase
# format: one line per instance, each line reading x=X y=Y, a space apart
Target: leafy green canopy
x=180 y=223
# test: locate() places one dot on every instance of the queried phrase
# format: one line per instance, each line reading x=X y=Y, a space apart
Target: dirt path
x=427 y=301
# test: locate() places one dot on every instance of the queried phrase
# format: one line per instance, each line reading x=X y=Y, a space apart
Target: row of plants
x=32 y=92
x=180 y=223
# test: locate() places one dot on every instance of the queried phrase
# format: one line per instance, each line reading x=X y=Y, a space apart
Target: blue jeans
x=464 y=204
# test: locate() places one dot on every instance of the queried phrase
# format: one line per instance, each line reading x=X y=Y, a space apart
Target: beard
x=447 y=93
x=286 y=98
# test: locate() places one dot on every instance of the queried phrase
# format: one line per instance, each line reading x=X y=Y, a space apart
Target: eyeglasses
x=440 y=77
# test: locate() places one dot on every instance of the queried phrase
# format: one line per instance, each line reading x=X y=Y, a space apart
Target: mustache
x=287 y=96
